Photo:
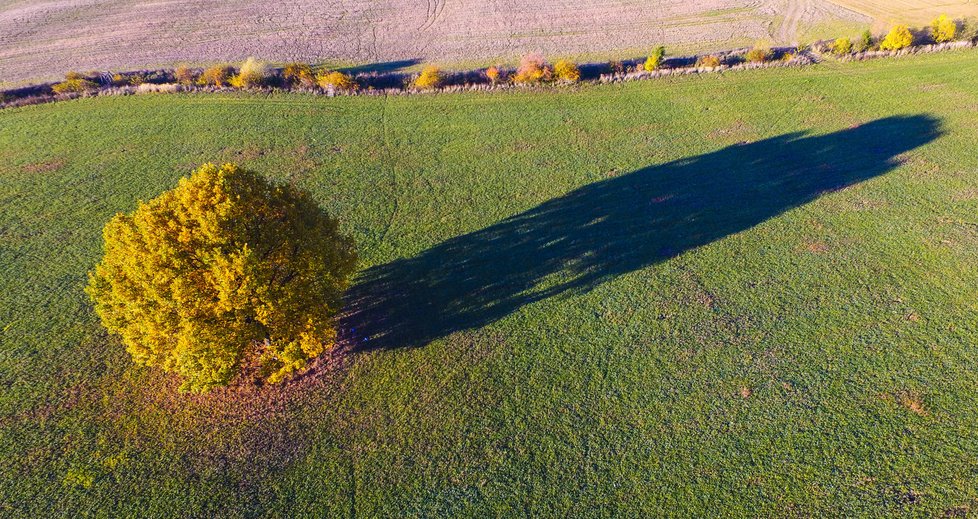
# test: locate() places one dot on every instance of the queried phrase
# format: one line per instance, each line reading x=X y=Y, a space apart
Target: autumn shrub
x=759 y=53
x=74 y=83
x=299 y=75
x=430 y=77
x=943 y=29
x=842 y=47
x=709 y=61
x=567 y=71
x=226 y=269
x=654 y=61
x=865 y=41
x=253 y=73
x=969 y=29
x=616 y=67
x=335 y=80
x=184 y=75
x=217 y=75
x=136 y=79
x=898 y=38
x=533 y=69
x=494 y=75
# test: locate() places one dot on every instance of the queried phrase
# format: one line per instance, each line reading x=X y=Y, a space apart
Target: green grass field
x=727 y=295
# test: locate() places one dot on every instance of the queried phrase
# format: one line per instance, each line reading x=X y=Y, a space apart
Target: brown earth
x=41 y=39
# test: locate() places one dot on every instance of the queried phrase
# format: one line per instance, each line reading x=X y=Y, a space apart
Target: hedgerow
x=74 y=83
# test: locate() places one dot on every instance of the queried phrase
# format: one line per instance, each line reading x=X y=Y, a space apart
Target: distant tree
x=226 y=268
x=760 y=53
x=494 y=74
x=898 y=38
x=943 y=29
x=654 y=61
x=336 y=80
x=253 y=73
x=298 y=75
x=217 y=75
x=842 y=47
x=184 y=75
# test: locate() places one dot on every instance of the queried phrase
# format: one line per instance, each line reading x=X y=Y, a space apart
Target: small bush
x=184 y=75
x=654 y=61
x=533 y=69
x=253 y=73
x=119 y=80
x=709 y=61
x=494 y=75
x=842 y=47
x=224 y=270
x=299 y=75
x=567 y=71
x=759 y=54
x=865 y=42
x=74 y=83
x=943 y=29
x=898 y=38
x=218 y=76
x=137 y=79
x=616 y=67
x=430 y=77
x=335 y=80
x=165 y=88
x=969 y=29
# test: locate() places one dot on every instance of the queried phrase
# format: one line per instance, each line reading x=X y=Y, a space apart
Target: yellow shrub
x=224 y=268
x=567 y=71
x=253 y=73
x=842 y=46
x=709 y=61
x=184 y=75
x=431 y=77
x=118 y=79
x=943 y=29
x=73 y=83
x=759 y=54
x=654 y=61
x=336 y=80
x=298 y=74
x=898 y=38
x=217 y=75
x=533 y=69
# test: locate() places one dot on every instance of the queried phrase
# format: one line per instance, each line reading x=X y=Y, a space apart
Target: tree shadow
x=602 y=230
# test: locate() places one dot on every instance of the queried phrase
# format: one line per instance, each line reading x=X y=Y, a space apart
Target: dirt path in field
x=788 y=29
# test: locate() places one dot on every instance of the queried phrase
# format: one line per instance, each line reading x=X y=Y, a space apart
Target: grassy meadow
x=727 y=295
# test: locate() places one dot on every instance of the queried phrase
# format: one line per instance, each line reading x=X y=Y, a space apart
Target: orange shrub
x=298 y=74
x=759 y=54
x=709 y=61
x=217 y=75
x=184 y=75
x=431 y=77
x=494 y=74
x=533 y=69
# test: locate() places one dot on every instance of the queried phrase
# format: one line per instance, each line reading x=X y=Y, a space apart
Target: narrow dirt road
x=787 y=32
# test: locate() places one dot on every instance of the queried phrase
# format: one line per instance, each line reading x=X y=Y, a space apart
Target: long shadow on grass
x=597 y=232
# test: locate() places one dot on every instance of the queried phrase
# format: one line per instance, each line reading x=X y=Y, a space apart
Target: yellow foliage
x=336 y=80
x=253 y=73
x=224 y=267
x=533 y=69
x=654 y=61
x=842 y=46
x=431 y=77
x=898 y=38
x=74 y=83
x=759 y=54
x=943 y=29
x=217 y=75
x=299 y=74
x=567 y=71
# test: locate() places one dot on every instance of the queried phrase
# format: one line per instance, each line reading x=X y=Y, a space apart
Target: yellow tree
x=224 y=269
x=943 y=29
x=898 y=38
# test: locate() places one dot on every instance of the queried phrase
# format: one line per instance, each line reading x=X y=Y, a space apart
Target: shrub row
x=533 y=69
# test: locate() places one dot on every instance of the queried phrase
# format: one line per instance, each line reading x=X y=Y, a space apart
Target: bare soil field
x=910 y=11
x=45 y=38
